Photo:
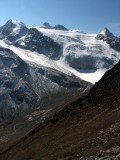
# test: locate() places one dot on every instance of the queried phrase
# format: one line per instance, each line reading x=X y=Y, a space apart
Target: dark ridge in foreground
x=88 y=128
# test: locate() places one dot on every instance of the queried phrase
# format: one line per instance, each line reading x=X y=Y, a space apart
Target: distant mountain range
x=46 y=66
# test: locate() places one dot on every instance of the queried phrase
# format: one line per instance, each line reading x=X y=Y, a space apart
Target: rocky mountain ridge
x=109 y=38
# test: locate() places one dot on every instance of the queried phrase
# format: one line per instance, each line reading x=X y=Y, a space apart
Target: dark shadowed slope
x=89 y=128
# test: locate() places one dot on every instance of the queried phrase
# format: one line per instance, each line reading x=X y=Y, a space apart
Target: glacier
x=45 y=66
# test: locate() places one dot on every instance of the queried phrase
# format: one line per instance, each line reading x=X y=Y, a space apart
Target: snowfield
x=75 y=44
x=34 y=58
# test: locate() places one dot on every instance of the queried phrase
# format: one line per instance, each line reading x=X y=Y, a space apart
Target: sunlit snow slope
x=82 y=54
x=78 y=53
x=74 y=52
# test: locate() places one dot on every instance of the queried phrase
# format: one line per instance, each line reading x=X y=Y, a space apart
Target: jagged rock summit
x=112 y=40
x=105 y=32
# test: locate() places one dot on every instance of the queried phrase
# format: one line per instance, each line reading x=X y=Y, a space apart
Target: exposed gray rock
x=36 y=41
x=12 y=31
x=24 y=88
x=112 y=40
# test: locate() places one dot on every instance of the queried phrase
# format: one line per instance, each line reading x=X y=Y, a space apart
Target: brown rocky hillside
x=88 y=128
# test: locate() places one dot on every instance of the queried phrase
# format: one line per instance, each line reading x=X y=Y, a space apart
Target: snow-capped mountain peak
x=105 y=32
x=11 y=21
x=13 y=26
x=109 y=38
x=46 y=25
x=12 y=30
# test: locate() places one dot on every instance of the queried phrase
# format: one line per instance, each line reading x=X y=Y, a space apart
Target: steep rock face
x=112 y=40
x=24 y=87
x=91 y=59
x=15 y=94
x=89 y=63
x=36 y=41
x=12 y=31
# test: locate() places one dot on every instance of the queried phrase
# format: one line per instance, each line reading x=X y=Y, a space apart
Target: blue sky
x=87 y=15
